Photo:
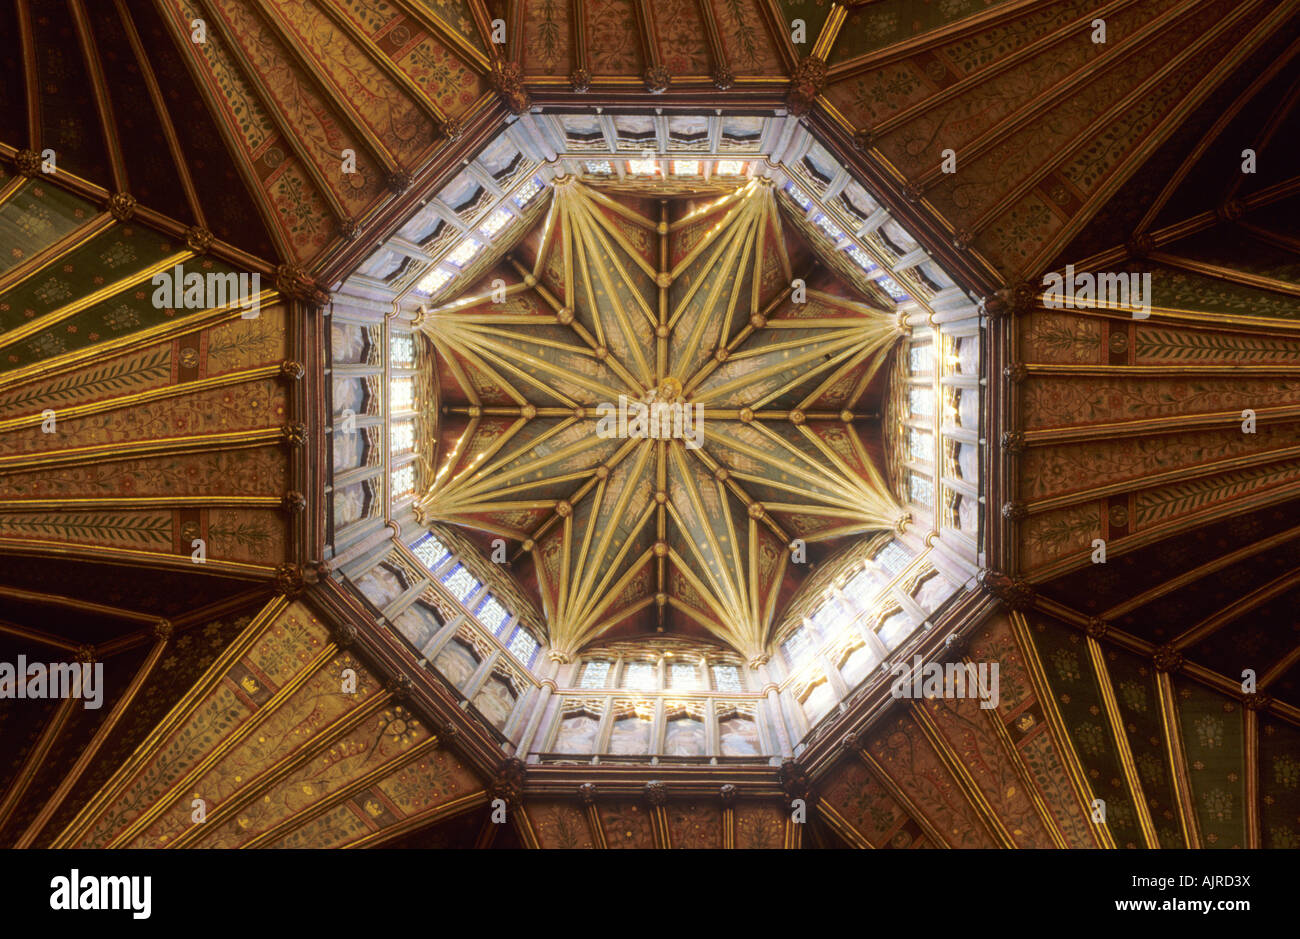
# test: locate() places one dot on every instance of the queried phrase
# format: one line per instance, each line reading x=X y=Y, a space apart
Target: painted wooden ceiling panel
x=680 y=317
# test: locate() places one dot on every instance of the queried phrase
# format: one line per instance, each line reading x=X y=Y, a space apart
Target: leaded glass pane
x=430 y=551
x=460 y=582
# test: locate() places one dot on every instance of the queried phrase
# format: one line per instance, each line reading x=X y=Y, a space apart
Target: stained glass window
x=460 y=582
x=892 y=287
x=643 y=167
x=465 y=252
x=527 y=191
x=594 y=675
x=401 y=393
x=641 y=676
x=863 y=587
x=824 y=222
x=921 y=445
x=727 y=678
x=921 y=490
x=401 y=438
x=729 y=168
x=430 y=551
x=523 y=645
x=495 y=222
x=683 y=676
x=686 y=167
x=798 y=647
x=432 y=281
x=920 y=358
x=863 y=259
x=401 y=350
x=828 y=618
x=600 y=167
x=492 y=614
x=403 y=481
x=892 y=558
x=921 y=401
x=798 y=195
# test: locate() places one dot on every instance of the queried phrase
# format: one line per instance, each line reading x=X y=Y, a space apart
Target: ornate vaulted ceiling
x=1123 y=680
x=685 y=303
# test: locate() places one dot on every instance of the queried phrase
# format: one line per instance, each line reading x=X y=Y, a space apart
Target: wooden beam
x=32 y=82
x=1123 y=751
x=22 y=780
x=1179 y=771
x=91 y=750
x=1061 y=740
x=273 y=110
x=179 y=160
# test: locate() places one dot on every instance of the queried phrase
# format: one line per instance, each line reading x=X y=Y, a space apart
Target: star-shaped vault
x=678 y=301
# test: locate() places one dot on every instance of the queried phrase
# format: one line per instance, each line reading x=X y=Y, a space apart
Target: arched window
x=595 y=674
